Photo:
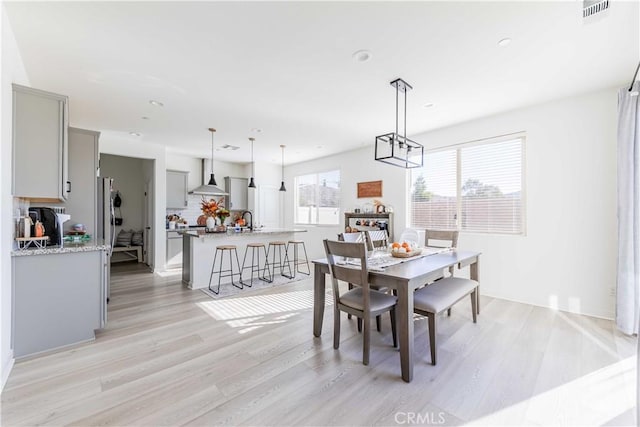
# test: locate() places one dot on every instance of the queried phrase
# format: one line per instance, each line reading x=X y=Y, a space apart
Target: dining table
x=404 y=278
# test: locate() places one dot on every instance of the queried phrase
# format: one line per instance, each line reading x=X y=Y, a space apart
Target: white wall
x=13 y=71
x=567 y=258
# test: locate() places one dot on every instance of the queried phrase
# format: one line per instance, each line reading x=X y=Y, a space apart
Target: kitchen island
x=198 y=248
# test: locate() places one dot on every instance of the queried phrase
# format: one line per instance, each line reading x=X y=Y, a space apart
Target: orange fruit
x=395 y=245
x=405 y=245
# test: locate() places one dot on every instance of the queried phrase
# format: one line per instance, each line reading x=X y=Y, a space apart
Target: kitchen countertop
x=91 y=245
x=230 y=232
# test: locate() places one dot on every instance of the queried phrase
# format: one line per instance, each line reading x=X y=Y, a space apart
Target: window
x=472 y=187
x=317 y=198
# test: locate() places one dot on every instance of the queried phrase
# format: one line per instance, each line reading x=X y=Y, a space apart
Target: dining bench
x=439 y=296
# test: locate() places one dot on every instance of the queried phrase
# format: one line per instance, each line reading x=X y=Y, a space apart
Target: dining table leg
x=404 y=319
x=474 y=274
x=318 y=299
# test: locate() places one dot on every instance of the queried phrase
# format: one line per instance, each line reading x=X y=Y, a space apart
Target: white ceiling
x=287 y=68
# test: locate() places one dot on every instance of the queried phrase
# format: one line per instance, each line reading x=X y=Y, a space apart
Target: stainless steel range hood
x=209 y=189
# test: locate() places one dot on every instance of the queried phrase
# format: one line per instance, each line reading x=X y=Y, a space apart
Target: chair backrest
x=377 y=239
x=336 y=252
x=435 y=238
x=352 y=237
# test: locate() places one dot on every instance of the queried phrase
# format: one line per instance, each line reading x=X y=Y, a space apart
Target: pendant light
x=253 y=166
x=282 y=187
x=396 y=149
x=211 y=187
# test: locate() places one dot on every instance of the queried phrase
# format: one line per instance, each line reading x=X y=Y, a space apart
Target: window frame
x=458 y=147
x=295 y=199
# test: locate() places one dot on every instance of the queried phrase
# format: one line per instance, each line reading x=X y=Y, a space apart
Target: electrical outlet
x=612 y=292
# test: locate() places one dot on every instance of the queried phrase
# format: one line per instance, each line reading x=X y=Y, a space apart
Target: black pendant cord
x=634 y=77
x=396 y=110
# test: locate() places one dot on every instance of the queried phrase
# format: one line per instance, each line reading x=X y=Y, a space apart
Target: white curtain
x=628 y=278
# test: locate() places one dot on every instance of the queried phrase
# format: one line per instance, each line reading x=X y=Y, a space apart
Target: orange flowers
x=210 y=207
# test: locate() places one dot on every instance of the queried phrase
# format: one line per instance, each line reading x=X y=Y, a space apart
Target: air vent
x=230 y=147
x=591 y=7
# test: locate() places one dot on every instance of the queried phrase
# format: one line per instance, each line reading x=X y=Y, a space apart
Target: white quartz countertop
x=201 y=233
x=67 y=248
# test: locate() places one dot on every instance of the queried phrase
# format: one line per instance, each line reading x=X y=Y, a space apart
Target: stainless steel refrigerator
x=105 y=229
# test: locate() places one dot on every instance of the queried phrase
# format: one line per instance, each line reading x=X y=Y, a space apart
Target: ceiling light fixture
x=256 y=130
x=253 y=170
x=282 y=187
x=135 y=134
x=504 y=42
x=429 y=105
x=396 y=149
x=211 y=187
x=362 y=55
x=144 y=118
x=156 y=103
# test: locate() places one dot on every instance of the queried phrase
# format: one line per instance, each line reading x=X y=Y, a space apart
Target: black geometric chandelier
x=396 y=149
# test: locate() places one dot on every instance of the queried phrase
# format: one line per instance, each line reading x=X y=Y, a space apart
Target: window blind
x=475 y=187
x=317 y=198
x=434 y=192
x=491 y=187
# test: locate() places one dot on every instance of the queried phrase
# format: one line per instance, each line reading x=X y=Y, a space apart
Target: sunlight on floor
x=251 y=306
x=593 y=399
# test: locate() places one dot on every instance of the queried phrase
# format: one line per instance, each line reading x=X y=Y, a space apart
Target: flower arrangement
x=210 y=207
x=223 y=214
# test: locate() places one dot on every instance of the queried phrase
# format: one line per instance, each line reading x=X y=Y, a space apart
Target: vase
x=211 y=222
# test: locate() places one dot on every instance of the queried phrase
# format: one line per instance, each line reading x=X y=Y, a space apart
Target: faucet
x=250 y=219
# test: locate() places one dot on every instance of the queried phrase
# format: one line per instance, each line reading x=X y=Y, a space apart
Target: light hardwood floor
x=172 y=356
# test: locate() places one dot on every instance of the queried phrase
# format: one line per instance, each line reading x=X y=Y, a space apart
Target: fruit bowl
x=409 y=254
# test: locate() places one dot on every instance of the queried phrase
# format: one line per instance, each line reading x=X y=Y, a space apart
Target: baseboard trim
x=546 y=306
x=6 y=370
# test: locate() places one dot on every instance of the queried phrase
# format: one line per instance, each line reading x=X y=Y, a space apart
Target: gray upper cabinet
x=40 y=121
x=238 y=193
x=83 y=172
x=177 y=182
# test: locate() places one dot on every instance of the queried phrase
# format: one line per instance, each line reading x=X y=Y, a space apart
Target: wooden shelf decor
x=370 y=189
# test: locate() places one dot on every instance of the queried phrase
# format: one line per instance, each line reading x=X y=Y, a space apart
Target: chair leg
x=349 y=315
x=379 y=323
x=432 y=336
x=359 y=324
x=336 y=328
x=394 y=333
x=365 y=340
x=449 y=312
x=474 y=304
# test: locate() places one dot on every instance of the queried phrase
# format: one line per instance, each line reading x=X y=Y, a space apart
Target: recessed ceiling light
x=362 y=55
x=429 y=105
x=256 y=130
x=156 y=103
x=135 y=134
x=504 y=42
x=319 y=147
x=230 y=147
x=145 y=118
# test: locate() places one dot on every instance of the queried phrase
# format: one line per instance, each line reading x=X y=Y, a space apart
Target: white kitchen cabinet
x=40 y=122
x=177 y=182
x=237 y=200
x=174 y=249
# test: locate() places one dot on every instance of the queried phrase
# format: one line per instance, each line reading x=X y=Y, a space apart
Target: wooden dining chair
x=362 y=301
x=361 y=236
x=442 y=239
x=377 y=239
